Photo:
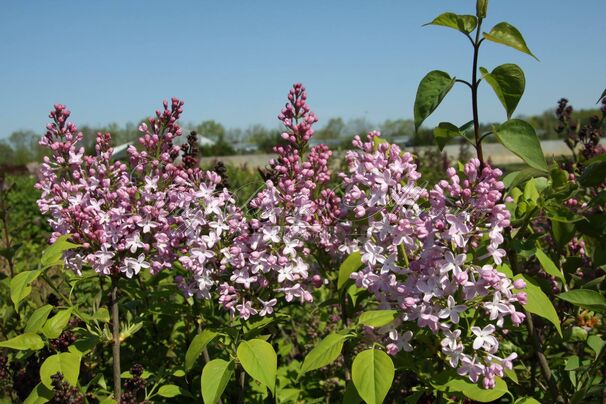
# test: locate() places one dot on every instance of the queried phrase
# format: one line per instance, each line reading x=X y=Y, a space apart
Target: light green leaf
x=475 y=392
x=55 y=325
x=549 y=266
x=39 y=395
x=67 y=363
x=38 y=318
x=171 y=390
x=508 y=83
x=527 y=400
x=351 y=264
x=462 y=23
x=432 y=90
x=596 y=343
x=260 y=361
x=196 y=347
x=215 y=376
x=21 y=286
x=444 y=132
x=585 y=298
x=27 y=341
x=506 y=34
x=101 y=315
x=538 y=302
x=52 y=255
x=378 y=318
x=324 y=353
x=520 y=138
x=372 y=373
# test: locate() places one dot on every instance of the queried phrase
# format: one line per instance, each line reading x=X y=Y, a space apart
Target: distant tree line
x=21 y=147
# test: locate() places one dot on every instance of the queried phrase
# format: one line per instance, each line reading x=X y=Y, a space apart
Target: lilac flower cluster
x=122 y=214
x=419 y=253
x=267 y=253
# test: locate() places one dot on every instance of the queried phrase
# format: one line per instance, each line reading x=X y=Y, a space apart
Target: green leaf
x=585 y=298
x=68 y=363
x=260 y=361
x=527 y=400
x=27 y=341
x=378 y=318
x=21 y=286
x=538 y=302
x=372 y=373
x=39 y=395
x=481 y=8
x=520 y=138
x=170 y=390
x=444 y=132
x=549 y=266
x=507 y=34
x=462 y=23
x=601 y=96
x=38 y=318
x=594 y=174
x=196 y=347
x=351 y=264
x=101 y=315
x=508 y=83
x=324 y=353
x=475 y=392
x=215 y=376
x=55 y=325
x=53 y=254
x=596 y=343
x=432 y=90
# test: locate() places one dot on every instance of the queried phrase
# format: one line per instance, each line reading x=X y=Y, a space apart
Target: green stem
x=116 y=337
x=474 y=95
x=55 y=289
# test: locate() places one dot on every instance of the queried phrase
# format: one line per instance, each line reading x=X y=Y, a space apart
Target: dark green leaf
x=585 y=298
x=506 y=34
x=372 y=373
x=432 y=90
x=508 y=83
x=520 y=138
x=481 y=8
x=463 y=23
x=444 y=132
x=594 y=174
x=549 y=266
x=601 y=96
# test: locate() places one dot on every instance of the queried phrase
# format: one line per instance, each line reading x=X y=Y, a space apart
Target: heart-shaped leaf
x=508 y=83
x=260 y=361
x=506 y=34
x=520 y=138
x=66 y=363
x=444 y=132
x=462 y=23
x=432 y=90
x=372 y=373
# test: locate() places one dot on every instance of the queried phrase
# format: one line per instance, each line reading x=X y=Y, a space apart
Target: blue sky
x=234 y=61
